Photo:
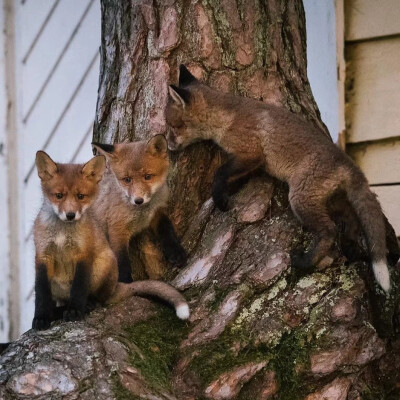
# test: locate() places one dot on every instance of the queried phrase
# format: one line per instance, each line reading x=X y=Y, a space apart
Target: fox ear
x=95 y=168
x=46 y=167
x=157 y=145
x=180 y=96
x=104 y=149
x=185 y=76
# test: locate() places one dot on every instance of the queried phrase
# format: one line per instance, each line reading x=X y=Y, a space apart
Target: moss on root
x=219 y=356
x=121 y=392
x=287 y=360
x=385 y=391
x=158 y=339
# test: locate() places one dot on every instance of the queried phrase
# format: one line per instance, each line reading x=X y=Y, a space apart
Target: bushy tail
x=152 y=288
x=371 y=217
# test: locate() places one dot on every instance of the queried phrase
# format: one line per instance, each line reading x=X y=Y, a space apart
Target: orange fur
x=62 y=245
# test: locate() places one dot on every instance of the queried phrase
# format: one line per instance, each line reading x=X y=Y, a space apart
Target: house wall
x=52 y=78
x=372 y=51
x=4 y=222
x=58 y=52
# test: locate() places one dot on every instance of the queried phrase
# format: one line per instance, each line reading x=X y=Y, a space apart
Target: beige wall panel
x=371 y=18
x=389 y=197
x=380 y=162
x=373 y=94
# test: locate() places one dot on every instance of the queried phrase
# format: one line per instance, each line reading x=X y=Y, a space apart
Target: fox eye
x=148 y=177
x=80 y=196
x=59 y=196
x=127 y=180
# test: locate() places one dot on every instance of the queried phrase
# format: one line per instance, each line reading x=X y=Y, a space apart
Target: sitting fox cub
x=132 y=197
x=289 y=148
x=73 y=258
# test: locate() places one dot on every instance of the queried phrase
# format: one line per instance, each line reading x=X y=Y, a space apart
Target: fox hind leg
x=313 y=214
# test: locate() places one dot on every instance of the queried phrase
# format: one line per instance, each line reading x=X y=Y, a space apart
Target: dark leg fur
x=220 y=190
x=314 y=216
x=124 y=266
x=3 y=346
x=391 y=243
x=170 y=244
x=44 y=304
x=79 y=293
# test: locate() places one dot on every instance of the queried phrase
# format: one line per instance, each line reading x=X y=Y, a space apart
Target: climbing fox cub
x=73 y=258
x=254 y=135
x=133 y=196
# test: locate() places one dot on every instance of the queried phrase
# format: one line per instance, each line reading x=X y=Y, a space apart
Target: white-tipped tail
x=182 y=311
x=382 y=276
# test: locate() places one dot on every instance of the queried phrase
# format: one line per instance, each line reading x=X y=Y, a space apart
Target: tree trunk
x=259 y=329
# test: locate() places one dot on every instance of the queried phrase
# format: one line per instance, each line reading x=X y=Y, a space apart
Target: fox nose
x=70 y=216
x=138 y=200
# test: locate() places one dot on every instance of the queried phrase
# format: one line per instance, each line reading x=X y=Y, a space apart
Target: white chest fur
x=60 y=239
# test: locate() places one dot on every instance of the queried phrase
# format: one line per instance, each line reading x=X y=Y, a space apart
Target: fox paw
x=301 y=260
x=41 y=323
x=176 y=256
x=73 y=314
x=221 y=200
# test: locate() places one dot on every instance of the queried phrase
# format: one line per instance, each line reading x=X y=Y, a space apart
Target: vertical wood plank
x=13 y=166
x=4 y=221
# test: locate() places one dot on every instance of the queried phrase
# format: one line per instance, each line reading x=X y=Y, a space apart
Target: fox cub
x=73 y=258
x=254 y=135
x=133 y=197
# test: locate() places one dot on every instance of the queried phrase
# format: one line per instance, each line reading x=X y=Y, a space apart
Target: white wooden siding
x=367 y=19
x=378 y=161
x=58 y=56
x=4 y=227
x=389 y=197
x=373 y=101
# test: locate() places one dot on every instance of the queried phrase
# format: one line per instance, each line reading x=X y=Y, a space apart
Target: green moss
x=84 y=385
x=219 y=356
x=289 y=356
x=158 y=341
x=287 y=359
x=384 y=392
x=220 y=294
x=121 y=392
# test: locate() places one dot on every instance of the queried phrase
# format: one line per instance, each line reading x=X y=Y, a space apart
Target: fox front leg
x=79 y=293
x=232 y=170
x=170 y=244
x=44 y=303
x=124 y=265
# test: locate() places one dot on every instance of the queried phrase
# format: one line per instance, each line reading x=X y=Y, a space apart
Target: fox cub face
x=70 y=188
x=186 y=112
x=141 y=168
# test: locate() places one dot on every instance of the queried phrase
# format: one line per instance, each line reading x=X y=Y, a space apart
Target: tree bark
x=259 y=328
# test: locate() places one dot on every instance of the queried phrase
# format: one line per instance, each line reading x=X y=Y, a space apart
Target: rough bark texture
x=259 y=329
